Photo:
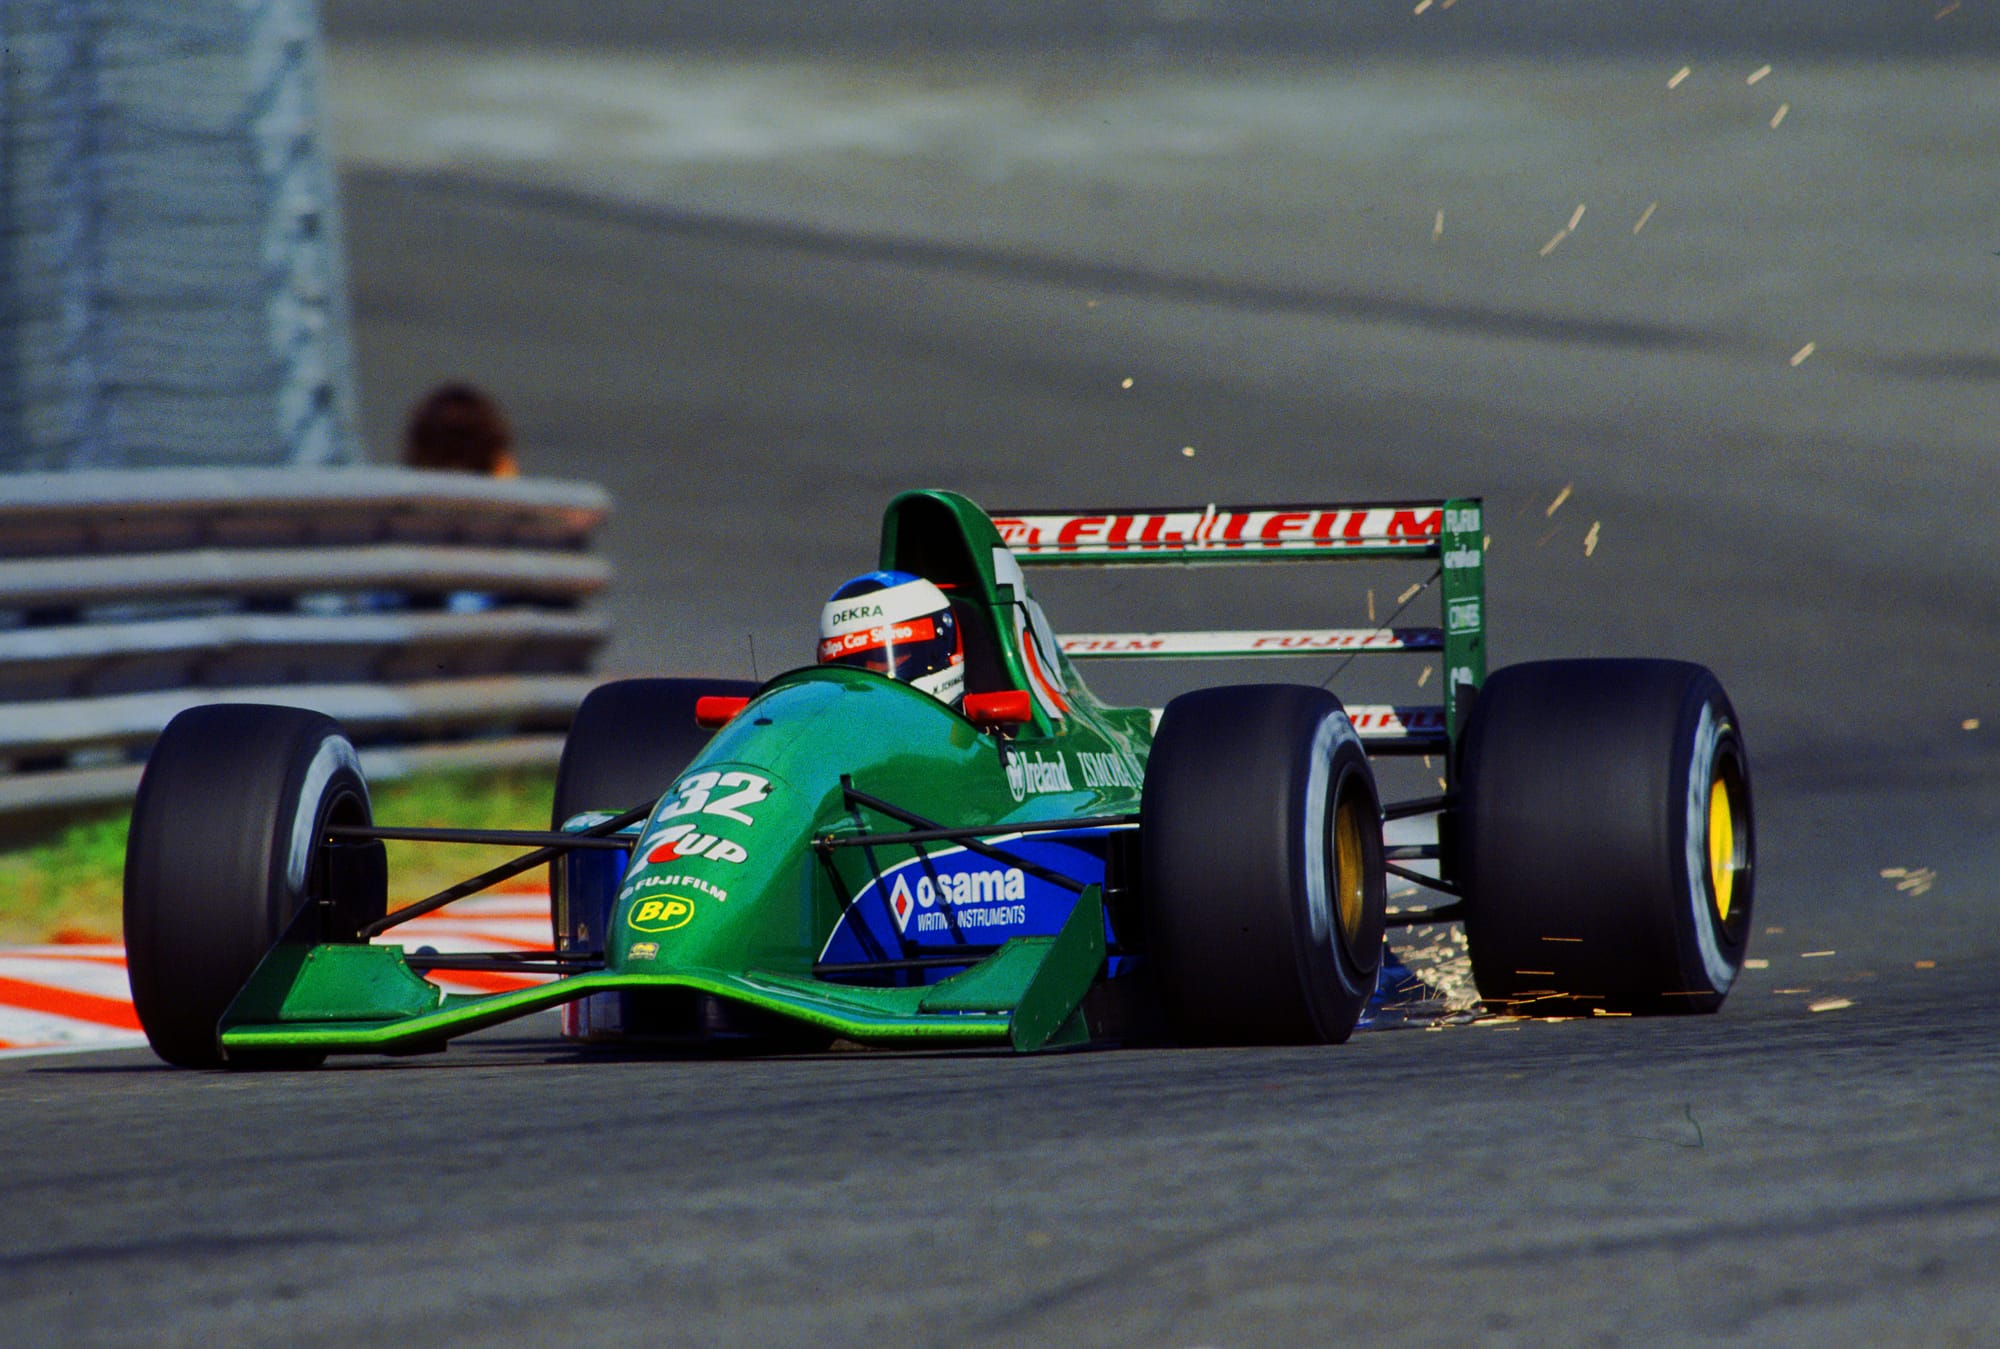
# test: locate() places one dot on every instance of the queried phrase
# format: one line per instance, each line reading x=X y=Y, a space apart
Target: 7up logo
x=681 y=841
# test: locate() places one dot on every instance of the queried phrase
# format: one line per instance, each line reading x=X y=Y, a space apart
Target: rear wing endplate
x=1451 y=531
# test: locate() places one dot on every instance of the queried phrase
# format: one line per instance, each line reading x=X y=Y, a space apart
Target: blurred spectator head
x=459 y=428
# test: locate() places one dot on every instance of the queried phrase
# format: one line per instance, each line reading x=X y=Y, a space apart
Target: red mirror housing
x=713 y=710
x=1009 y=707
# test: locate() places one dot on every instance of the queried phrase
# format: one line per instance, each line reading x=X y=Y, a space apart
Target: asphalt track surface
x=756 y=274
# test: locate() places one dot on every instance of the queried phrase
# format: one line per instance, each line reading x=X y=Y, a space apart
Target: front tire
x=630 y=739
x=627 y=743
x=1608 y=847
x=227 y=846
x=1261 y=863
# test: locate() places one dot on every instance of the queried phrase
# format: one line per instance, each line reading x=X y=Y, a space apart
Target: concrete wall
x=172 y=290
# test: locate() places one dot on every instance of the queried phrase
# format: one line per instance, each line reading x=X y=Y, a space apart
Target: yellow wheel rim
x=1349 y=869
x=1721 y=847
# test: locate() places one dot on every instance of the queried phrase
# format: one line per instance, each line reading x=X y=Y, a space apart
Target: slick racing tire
x=1261 y=867
x=1607 y=849
x=226 y=849
x=627 y=743
x=630 y=739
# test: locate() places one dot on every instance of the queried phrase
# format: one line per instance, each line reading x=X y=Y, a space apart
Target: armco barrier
x=439 y=616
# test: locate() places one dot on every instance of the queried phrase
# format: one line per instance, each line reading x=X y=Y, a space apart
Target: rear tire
x=1608 y=848
x=1261 y=866
x=226 y=848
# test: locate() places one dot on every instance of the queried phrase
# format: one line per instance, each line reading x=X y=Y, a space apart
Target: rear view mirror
x=994 y=711
x=712 y=711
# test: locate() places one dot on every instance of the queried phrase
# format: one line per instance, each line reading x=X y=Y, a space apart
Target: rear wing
x=1451 y=531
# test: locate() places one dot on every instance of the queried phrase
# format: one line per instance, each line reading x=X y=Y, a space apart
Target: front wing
x=366 y=999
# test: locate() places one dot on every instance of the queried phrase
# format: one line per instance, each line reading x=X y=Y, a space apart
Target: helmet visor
x=905 y=649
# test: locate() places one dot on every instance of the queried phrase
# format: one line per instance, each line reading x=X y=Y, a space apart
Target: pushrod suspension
x=505 y=871
x=545 y=838
x=942 y=835
x=972 y=838
x=1423 y=805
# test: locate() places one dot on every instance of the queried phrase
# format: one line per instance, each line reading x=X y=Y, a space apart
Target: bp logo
x=661 y=915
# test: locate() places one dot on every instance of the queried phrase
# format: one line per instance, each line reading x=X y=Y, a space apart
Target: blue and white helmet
x=896 y=624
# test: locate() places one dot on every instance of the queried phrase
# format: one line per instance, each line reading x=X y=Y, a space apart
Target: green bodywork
x=742 y=913
x=741 y=903
x=1462 y=597
x=365 y=999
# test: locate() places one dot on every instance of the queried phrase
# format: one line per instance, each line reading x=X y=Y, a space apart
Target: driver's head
x=899 y=625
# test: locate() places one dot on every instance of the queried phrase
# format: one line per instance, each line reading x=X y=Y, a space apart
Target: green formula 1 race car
x=983 y=853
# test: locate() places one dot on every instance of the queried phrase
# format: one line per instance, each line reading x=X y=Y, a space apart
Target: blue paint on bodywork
x=950 y=897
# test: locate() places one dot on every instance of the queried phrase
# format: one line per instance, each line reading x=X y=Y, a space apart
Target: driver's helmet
x=897 y=624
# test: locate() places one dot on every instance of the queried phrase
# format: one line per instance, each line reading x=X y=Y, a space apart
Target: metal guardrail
x=440 y=617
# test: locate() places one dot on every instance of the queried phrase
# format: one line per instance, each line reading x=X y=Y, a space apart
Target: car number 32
x=696 y=795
